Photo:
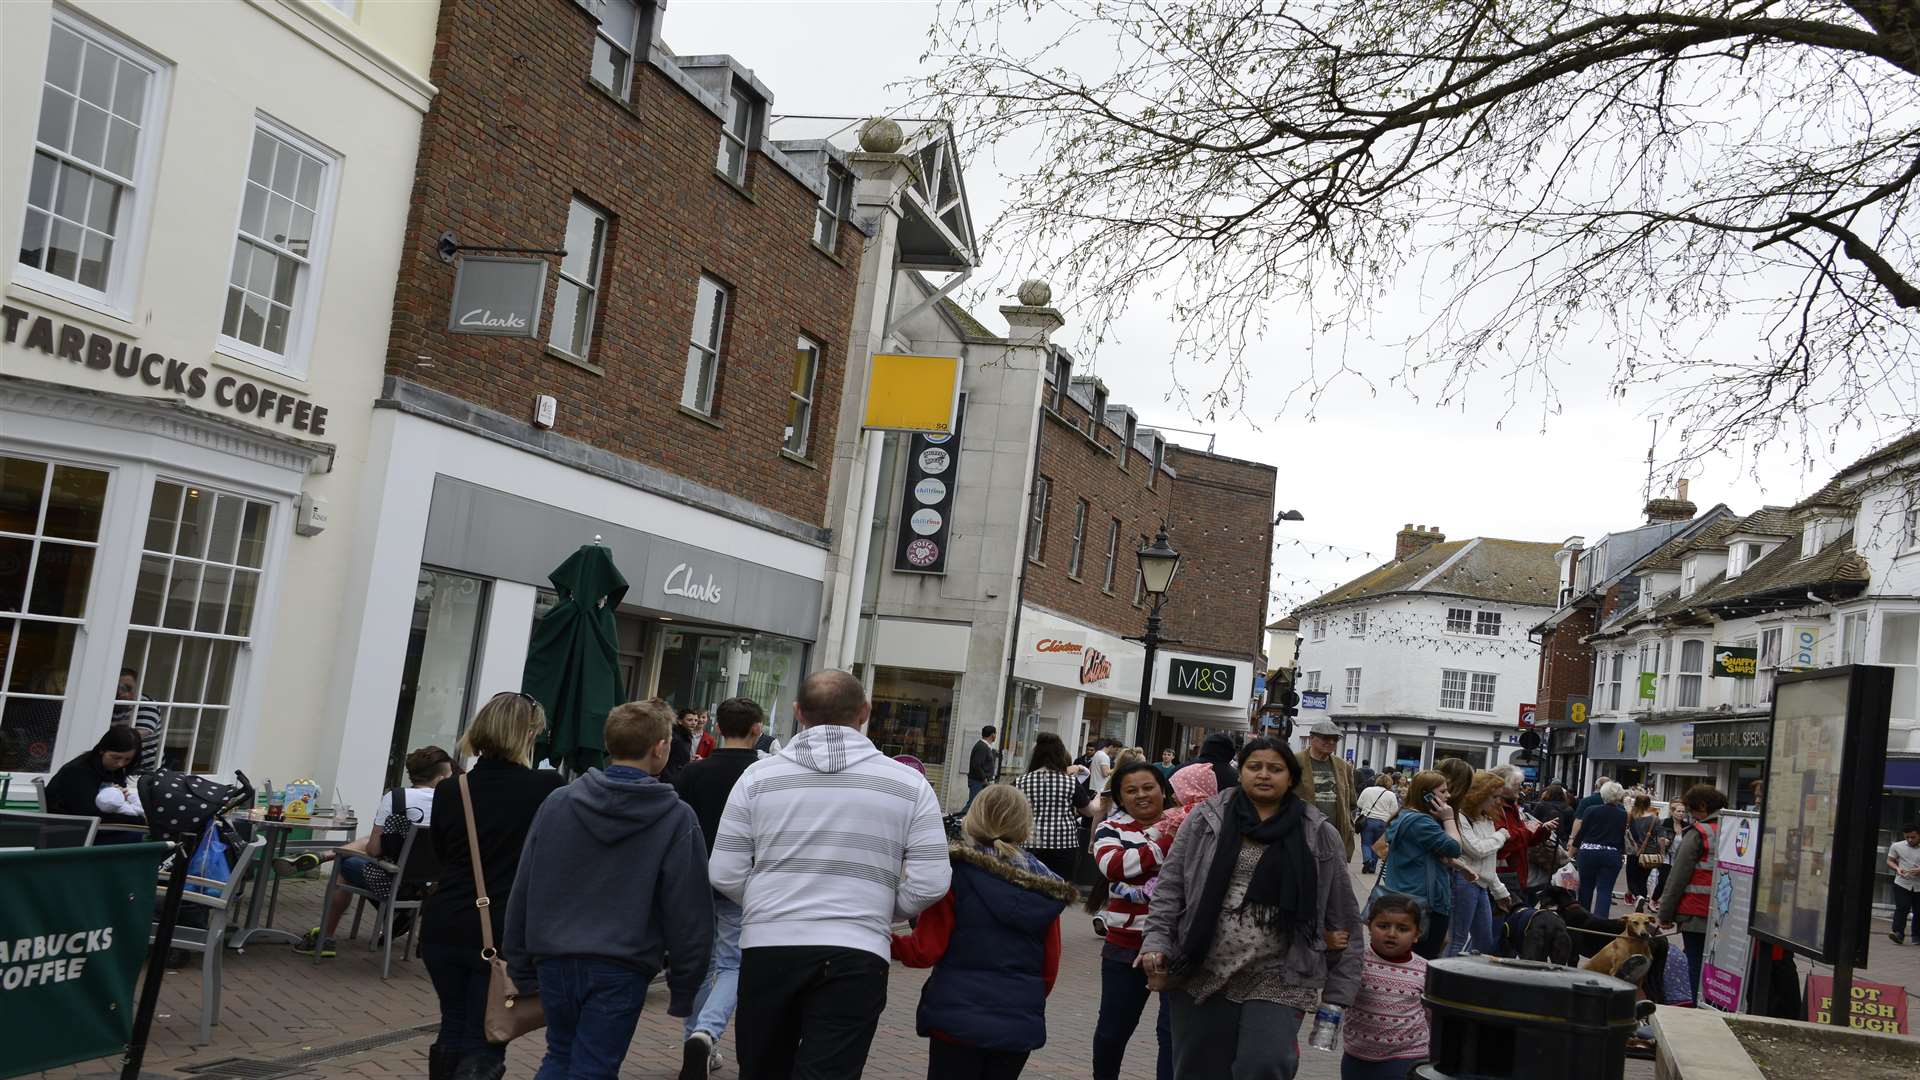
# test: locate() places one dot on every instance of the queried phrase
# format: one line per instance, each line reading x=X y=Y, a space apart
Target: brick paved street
x=278 y=1005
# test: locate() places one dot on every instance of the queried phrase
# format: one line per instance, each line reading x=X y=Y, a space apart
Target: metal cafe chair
x=221 y=903
x=412 y=871
x=29 y=830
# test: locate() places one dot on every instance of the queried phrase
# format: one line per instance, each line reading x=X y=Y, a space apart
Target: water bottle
x=1326 y=1028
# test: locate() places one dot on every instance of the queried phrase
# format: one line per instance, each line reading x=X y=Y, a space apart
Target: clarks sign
x=680 y=583
x=78 y=345
x=498 y=296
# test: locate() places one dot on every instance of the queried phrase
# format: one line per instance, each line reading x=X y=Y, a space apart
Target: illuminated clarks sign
x=680 y=583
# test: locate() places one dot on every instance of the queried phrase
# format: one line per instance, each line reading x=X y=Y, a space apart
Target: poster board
x=1813 y=875
x=1880 y=1007
x=1723 y=970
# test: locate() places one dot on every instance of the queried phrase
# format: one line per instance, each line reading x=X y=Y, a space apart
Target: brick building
x=672 y=390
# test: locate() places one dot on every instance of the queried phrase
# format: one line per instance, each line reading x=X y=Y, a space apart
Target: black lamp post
x=1158 y=561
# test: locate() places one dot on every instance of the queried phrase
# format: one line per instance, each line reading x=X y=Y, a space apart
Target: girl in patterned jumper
x=1386 y=1026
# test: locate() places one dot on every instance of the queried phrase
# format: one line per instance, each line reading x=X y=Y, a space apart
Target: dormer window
x=1126 y=443
x=1159 y=457
x=1098 y=417
x=1689 y=576
x=1062 y=376
x=737 y=133
x=1814 y=537
x=1743 y=555
x=831 y=210
x=614 y=43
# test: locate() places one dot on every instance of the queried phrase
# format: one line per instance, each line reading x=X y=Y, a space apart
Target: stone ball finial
x=881 y=136
x=1035 y=293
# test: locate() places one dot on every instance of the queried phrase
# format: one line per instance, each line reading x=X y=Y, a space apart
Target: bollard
x=1499 y=1019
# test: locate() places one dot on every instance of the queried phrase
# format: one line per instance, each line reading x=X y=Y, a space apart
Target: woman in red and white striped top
x=1129 y=848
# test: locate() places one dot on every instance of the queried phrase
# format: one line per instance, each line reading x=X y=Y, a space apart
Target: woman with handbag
x=1646 y=844
x=478 y=840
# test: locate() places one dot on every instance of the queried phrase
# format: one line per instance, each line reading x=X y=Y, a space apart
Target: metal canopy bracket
x=449 y=245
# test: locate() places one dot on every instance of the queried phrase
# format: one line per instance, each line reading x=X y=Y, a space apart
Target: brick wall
x=1223 y=529
x=1566 y=664
x=516 y=133
x=1079 y=467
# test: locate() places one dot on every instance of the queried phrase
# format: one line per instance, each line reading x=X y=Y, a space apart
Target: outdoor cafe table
x=278 y=833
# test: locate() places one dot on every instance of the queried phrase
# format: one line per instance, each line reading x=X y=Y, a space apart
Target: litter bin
x=1500 y=1019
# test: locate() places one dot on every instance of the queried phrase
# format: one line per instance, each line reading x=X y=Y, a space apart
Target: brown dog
x=1634 y=940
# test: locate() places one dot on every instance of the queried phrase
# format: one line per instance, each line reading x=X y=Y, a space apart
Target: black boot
x=441 y=1063
x=480 y=1065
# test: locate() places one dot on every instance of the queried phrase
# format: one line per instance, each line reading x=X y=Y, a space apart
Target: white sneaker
x=714 y=1060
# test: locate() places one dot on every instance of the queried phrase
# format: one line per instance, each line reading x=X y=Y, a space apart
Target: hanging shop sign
x=1649 y=685
x=913 y=393
x=1735 y=662
x=1313 y=699
x=498 y=296
x=933 y=474
x=1199 y=678
x=1529 y=715
x=1577 y=708
x=194 y=382
x=1803 y=648
x=1732 y=739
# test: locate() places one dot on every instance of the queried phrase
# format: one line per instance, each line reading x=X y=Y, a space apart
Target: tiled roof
x=1784 y=571
x=1903 y=445
x=1291 y=622
x=1667 y=556
x=973 y=328
x=1484 y=568
x=1834 y=494
x=1768 y=521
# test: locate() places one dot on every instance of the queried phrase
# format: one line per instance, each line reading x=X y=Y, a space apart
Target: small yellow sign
x=912 y=393
x=1578 y=712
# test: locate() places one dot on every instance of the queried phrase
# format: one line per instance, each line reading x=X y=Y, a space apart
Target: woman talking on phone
x=1422 y=840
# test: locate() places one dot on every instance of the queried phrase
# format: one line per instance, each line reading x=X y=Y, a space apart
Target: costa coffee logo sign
x=1053 y=645
x=1094 y=666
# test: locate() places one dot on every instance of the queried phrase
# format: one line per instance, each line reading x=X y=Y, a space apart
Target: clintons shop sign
x=1095 y=666
x=59 y=340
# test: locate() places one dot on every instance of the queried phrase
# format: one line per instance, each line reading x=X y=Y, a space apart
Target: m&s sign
x=1199 y=678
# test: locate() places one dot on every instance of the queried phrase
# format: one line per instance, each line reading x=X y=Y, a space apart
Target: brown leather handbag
x=510 y=1013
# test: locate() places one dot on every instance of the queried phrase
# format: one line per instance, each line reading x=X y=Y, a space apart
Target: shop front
x=1738 y=749
x=1566 y=749
x=142 y=544
x=925 y=706
x=1666 y=749
x=1613 y=749
x=1073 y=680
x=717 y=604
x=1196 y=695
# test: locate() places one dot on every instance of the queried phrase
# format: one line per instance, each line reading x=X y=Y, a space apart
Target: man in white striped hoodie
x=824 y=845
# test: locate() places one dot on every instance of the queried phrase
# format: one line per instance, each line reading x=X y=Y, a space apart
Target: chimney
x=1411 y=539
x=1678 y=508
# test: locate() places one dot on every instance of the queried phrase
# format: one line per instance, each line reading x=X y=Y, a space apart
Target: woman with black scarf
x=1250 y=924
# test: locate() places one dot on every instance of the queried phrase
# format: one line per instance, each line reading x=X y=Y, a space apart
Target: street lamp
x=1158 y=561
x=1289 y=515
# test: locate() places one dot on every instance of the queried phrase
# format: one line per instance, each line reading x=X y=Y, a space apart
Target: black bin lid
x=1525 y=992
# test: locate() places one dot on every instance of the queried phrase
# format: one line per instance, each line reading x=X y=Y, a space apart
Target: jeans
x=1369 y=832
x=592 y=1005
x=460 y=981
x=1433 y=938
x=974 y=788
x=1906 y=908
x=1599 y=869
x=1472 y=919
x=1353 y=1068
x=1220 y=1039
x=808 y=1011
x=1695 y=942
x=957 y=1061
x=713 y=1006
x=1123 y=995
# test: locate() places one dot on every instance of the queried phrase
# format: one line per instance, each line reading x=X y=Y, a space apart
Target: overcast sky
x=1367 y=464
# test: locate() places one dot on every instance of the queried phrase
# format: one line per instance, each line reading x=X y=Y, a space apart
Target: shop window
x=703 y=354
x=831 y=210
x=93 y=163
x=912 y=711
x=806 y=366
x=576 y=295
x=193 y=614
x=49 y=532
x=701 y=668
x=284 y=210
x=436 y=682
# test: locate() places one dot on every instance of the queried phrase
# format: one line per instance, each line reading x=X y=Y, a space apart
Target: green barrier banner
x=73 y=934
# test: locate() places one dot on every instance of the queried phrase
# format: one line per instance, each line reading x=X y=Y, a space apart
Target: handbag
x=510 y=1013
x=1640 y=853
x=210 y=860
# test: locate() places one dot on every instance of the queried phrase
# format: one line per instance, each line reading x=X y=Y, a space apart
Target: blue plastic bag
x=210 y=860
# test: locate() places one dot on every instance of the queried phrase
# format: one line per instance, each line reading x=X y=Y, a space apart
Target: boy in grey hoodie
x=612 y=888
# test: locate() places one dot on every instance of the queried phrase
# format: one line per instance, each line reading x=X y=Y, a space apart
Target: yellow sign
x=1577 y=712
x=912 y=393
